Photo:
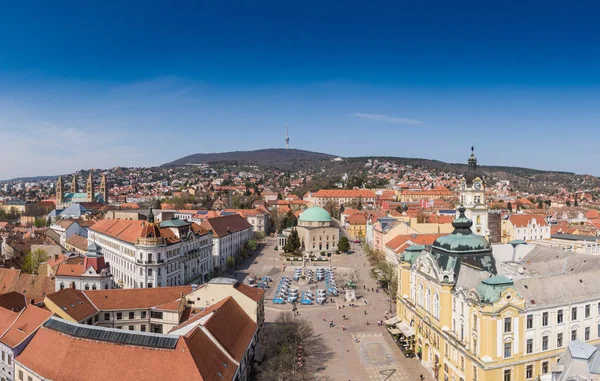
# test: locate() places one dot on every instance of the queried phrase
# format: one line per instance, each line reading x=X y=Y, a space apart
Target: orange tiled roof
x=521 y=220
x=135 y=298
x=28 y=321
x=401 y=242
x=78 y=241
x=345 y=193
x=195 y=357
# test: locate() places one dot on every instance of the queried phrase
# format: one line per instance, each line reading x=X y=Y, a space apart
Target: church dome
x=472 y=171
x=315 y=214
x=462 y=240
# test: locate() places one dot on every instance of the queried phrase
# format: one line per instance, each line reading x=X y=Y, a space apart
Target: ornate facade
x=506 y=315
x=472 y=197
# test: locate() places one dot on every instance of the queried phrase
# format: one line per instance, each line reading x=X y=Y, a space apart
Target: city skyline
x=81 y=88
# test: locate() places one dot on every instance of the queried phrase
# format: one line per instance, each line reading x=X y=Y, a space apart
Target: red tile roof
x=131 y=230
x=253 y=293
x=196 y=358
x=78 y=241
x=232 y=327
x=522 y=220
x=401 y=242
x=73 y=303
x=135 y=298
x=343 y=193
x=224 y=225
x=27 y=323
x=66 y=269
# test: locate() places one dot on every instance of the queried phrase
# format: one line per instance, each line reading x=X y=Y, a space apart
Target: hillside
x=327 y=171
x=288 y=159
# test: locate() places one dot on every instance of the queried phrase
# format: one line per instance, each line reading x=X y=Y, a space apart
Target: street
x=359 y=350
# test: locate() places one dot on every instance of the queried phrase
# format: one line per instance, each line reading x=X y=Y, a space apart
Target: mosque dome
x=315 y=214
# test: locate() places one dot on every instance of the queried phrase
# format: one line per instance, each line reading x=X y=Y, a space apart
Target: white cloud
x=36 y=146
x=388 y=118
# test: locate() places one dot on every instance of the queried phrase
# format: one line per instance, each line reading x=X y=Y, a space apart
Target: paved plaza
x=361 y=351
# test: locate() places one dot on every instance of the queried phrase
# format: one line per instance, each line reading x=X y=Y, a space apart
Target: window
x=559 y=340
x=20 y=374
x=544 y=367
x=156 y=315
x=559 y=316
x=29 y=378
x=475 y=322
x=529 y=321
x=529 y=348
x=545 y=343
x=574 y=335
x=506 y=374
x=143 y=328
x=474 y=373
x=9 y=359
x=598 y=308
x=574 y=313
x=62 y=286
x=587 y=333
x=544 y=319
x=507 y=350
x=3 y=356
x=96 y=319
x=132 y=315
x=87 y=287
x=143 y=314
x=131 y=328
x=529 y=371
x=106 y=316
x=94 y=287
x=507 y=324
x=587 y=310
x=119 y=315
x=119 y=327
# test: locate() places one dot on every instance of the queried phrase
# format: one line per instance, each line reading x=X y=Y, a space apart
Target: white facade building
x=229 y=234
x=143 y=254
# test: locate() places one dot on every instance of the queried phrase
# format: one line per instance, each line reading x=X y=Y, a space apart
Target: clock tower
x=472 y=197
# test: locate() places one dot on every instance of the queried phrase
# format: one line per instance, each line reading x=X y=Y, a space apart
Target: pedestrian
x=422 y=377
x=365 y=311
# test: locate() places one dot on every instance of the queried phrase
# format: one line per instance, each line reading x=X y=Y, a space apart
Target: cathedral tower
x=59 y=191
x=89 y=188
x=472 y=197
x=104 y=189
x=74 y=184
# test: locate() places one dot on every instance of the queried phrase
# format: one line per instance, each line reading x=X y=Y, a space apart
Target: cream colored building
x=479 y=315
x=316 y=232
x=472 y=197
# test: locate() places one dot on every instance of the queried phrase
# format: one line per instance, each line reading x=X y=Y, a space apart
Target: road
x=361 y=351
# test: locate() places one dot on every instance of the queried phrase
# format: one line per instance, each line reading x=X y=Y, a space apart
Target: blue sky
x=92 y=86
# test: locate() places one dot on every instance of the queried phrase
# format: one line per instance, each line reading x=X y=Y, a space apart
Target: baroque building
x=472 y=197
x=146 y=254
x=73 y=196
x=476 y=314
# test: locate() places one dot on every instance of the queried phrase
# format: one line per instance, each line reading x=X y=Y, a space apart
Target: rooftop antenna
x=287 y=136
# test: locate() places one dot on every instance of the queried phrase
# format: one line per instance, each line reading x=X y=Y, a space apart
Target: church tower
x=74 y=184
x=472 y=197
x=104 y=189
x=89 y=188
x=59 y=192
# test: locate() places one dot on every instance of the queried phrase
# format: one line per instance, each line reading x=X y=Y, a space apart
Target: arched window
x=62 y=285
x=87 y=286
x=478 y=220
x=93 y=287
x=428 y=300
x=421 y=294
x=436 y=305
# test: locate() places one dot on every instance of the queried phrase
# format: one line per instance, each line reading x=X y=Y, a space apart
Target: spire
x=472 y=159
x=287 y=136
x=74 y=184
x=151 y=216
x=59 y=191
x=89 y=188
x=104 y=189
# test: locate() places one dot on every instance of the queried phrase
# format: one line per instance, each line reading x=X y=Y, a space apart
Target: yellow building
x=479 y=316
x=357 y=225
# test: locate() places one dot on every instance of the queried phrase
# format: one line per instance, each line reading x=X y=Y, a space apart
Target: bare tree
x=292 y=350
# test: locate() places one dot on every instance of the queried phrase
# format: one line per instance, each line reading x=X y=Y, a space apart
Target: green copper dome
x=462 y=240
x=315 y=214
